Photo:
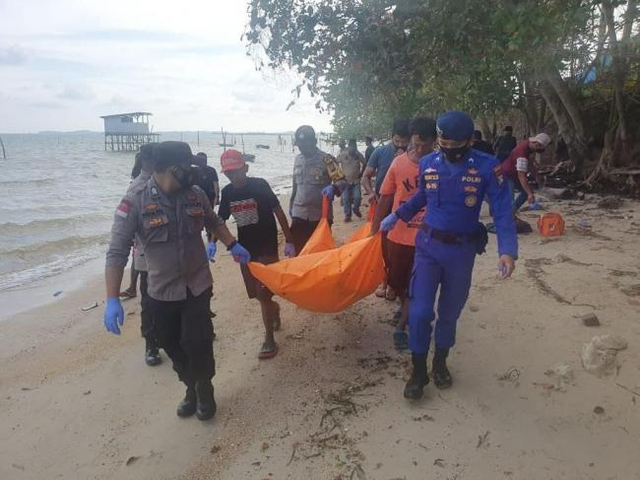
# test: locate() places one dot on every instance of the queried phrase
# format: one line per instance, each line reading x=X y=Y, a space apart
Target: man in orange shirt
x=399 y=185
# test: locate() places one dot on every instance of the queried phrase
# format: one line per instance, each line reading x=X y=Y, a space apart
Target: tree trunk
x=486 y=130
x=568 y=100
x=618 y=71
x=578 y=151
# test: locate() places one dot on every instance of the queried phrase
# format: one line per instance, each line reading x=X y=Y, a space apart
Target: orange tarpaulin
x=324 y=279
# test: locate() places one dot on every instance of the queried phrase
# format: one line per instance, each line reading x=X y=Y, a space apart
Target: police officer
x=144 y=158
x=453 y=182
x=315 y=174
x=168 y=215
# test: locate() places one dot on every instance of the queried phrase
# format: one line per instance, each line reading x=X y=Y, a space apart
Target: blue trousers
x=351 y=198
x=443 y=266
x=514 y=187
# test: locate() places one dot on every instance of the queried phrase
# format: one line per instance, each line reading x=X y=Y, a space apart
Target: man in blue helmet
x=452 y=184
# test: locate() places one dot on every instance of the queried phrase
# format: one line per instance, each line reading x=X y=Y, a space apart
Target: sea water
x=58 y=194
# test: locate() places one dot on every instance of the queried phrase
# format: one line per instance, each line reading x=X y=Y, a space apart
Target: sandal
x=381 y=291
x=266 y=353
x=128 y=294
x=400 y=340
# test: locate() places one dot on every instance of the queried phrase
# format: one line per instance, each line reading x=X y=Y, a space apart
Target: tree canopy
x=566 y=66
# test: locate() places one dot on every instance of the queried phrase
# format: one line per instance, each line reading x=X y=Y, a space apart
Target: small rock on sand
x=599 y=355
x=590 y=320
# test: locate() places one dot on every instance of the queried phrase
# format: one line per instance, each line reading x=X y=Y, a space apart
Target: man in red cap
x=255 y=208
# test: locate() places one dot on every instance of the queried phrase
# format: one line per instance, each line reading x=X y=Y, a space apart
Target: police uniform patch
x=152 y=207
x=471 y=189
x=472 y=171
x=431 y=176
x=431 y=186
x=155 y=222
x=154 y=192
x=471 y=179
x=123 y=209
x=497 y=171
x=471 y=200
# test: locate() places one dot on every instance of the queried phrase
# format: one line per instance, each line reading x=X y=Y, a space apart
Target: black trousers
x=184 y=331
x=146 y=317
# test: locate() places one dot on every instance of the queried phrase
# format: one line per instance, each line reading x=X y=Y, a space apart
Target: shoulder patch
x=123 y=208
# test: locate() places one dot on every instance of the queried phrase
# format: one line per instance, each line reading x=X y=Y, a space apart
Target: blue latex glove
x=289 y=250
x=212 y=248
x=240 y=254
x=389 y=222
x=113 y=315
x=329 y=192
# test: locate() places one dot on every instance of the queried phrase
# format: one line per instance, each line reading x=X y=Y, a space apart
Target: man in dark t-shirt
x=207 y=179
x=255 y=208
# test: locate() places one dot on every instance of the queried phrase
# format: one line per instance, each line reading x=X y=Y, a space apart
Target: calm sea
x=58 y=193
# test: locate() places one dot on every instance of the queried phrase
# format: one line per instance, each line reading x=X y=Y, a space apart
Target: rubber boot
x=441 y=375
x=419 y=379
x=152 y=354
x=187 y=406
x=206 y=403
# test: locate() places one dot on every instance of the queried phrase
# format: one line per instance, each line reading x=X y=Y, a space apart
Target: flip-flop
x=277 y=323
x=266 y=354
x=127 y=294
x=381 y=292
x=400 y=340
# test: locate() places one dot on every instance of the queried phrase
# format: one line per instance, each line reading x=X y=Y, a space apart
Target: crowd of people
x=427 y=184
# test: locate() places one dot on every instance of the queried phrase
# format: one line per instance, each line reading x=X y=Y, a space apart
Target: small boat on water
x=225 y=144
x=263 y=146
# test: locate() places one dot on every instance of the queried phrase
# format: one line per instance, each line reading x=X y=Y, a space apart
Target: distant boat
x=222 y=144
x=263 y=146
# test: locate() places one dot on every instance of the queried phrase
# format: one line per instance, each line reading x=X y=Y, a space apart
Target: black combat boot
x=441 y=375
x=152 y=354
x=419 y=378
x=187 y=406
x=206 y=403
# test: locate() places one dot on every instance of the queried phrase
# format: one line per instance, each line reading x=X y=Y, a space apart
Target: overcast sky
x=63 y=63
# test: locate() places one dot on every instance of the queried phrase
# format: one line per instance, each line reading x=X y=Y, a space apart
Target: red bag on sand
x=326 y=281
x=551 y=225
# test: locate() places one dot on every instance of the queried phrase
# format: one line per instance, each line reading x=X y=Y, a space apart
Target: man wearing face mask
x=168 y=215
x=453 y=183
x=316 y=174
x=521 y=161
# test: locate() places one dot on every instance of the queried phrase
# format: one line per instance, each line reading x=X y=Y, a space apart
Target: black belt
x=447 y=238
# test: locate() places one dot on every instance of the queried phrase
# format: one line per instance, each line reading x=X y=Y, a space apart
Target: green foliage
x=373 y=60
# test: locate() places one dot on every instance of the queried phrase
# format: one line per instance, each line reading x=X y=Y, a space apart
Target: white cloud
x=184 y=62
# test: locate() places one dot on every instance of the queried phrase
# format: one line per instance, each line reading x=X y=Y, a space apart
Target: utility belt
x=480 y=238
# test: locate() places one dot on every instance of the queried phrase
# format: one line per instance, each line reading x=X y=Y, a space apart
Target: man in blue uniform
x=453 y=183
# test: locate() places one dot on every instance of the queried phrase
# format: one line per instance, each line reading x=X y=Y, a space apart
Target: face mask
x=456 y=154
x=184 y=177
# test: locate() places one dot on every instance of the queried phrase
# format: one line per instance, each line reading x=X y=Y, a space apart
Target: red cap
x=231 y=160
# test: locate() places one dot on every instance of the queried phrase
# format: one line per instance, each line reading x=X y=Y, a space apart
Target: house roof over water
x=131 y=114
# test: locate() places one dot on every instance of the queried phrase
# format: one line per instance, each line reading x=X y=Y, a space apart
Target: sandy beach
x=79 y=403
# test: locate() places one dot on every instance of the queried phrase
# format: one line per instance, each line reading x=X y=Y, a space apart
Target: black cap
x=170 y=153
x=305 y=133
